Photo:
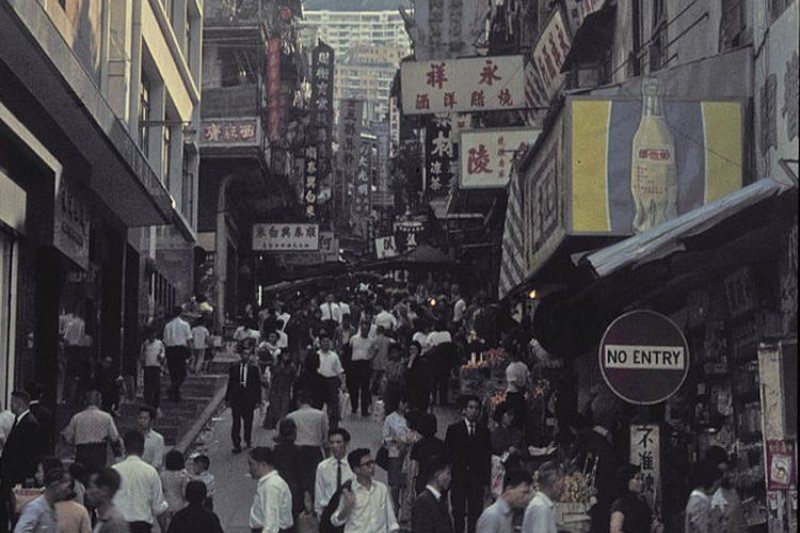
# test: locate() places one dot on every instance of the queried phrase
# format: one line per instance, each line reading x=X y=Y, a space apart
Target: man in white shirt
x=384 y=319
x=330 y=368
x=498 y=517
x=178 y=342
x=334 y=471
x=360 y=370
x=331 y=312
x=90 y=431
x=459 y=306
x=312 y=430
x=153 y=441
x=78 y=366
x=540 y=516
x=271 y=511
x=140 y=497
x=367 y=505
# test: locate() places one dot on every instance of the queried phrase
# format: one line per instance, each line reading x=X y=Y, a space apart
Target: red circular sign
x=644 y=357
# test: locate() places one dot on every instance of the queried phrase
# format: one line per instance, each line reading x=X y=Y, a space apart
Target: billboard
x=549 y=56
x=440 y=156
x=487 y=155
x=285 y=237
x=462 y=85
x=634 y=164
x=274 y=90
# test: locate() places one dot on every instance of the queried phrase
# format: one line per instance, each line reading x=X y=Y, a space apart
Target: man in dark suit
x=429 y=513
x=242 y=396
x=21 y=452
x=470 y=452
x=42 y=414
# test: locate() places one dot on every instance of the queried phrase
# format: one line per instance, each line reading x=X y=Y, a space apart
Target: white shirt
x=386 y=320
x=177 y=333
x=139 y=497
x=331 y=311
x=283 y=339
x=344 y=308
x=436 y=493
x=153 y=449
x=540 y=516
x=200 y=335
x=6 y=421
x=395 y=433
x=422 y=338
x=373 y=511
x=325 y=484
x=458 y=310
x=329 y=364
x=272 y=505
x=362 y=347
x=435 y=338
x=153 y=352
x=312 y=426
x=74 y=331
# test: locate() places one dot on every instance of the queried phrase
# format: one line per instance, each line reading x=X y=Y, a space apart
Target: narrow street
x=235 y=487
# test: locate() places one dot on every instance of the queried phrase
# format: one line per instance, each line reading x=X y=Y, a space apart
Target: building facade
x=99 y=108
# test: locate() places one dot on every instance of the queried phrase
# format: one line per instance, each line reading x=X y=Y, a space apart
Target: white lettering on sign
x=634 y=357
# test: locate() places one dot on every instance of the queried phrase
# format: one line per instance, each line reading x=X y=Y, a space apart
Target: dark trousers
x=152 y=386
x=358 y=385
x=516 y=400
x=92 y=456
x=441 y=383
x=310 y=457
x=466 y=499
x=330 y=397
x=140 y=527
x=242 y=413
x=176 y=364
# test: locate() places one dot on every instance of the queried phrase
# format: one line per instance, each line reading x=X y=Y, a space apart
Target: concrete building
x=99 y=105
x=343 y=29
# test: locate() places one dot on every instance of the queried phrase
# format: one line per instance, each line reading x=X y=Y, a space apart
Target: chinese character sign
x=548 y=57
x=645 y=453
x=447 y=28
x=230 y=132
x=311 y=189
x=394 y=126
x=322 y=106
x=274 y=90
x=285 y=237
x=385 y=247
x=349 y=138
x=440 y=156
x=362 y=192
x=487 y=155
x=474 y=84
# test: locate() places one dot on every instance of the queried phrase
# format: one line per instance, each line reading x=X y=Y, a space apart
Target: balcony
x=230 y=102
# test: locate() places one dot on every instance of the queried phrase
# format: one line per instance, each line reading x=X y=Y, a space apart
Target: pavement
x=234 y=486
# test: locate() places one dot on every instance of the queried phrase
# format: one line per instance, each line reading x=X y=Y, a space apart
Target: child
x=151 y=358
x=201 y=465
x=195 y=518
x=200 y=336
x=396 y=369
x=173 y=482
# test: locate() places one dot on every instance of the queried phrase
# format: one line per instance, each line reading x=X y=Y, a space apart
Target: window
x=238 y=66
x=166 y=152
x=144 y=115
x=635 y=58
x=733 y=25
x=187 y=198
x=658 y=44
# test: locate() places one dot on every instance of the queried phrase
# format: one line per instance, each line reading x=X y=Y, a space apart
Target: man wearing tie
x=331 y=314
x=243 y=394
x=470 y=452
x=334 y=471
x=21 y=452
x=429 y=513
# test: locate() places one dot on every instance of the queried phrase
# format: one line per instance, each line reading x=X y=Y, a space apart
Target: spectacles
x=368 y=463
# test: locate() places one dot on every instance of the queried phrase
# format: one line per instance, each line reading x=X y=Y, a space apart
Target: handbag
x=23 y=496
x=382 y=457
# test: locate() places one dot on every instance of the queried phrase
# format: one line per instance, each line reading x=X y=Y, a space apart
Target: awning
x=670 y=237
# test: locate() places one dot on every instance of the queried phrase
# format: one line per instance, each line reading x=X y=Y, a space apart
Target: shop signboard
x=542 y=189
x=407 y=234
x=328 y=246
x=322 y=74
x=236 y=132
x=440 y=156
x=579 y=10
x=644 y=357
x=349 y=154
x=385 y=247
x=781 y=465
x=462 y=85
x=549 y=55
x=285 y=237
x=632 y=164
x=487 y=155
x=311 y=183
x=646 y=454
x=274 y=90
x=71 y=222
x=443 y=28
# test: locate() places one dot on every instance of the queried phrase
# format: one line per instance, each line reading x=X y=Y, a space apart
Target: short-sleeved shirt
x=200 y=335
x=153 y=352
x=329 y=364
x=638 y=517
x=177 y=333
x=361 y=347
x=91 y=426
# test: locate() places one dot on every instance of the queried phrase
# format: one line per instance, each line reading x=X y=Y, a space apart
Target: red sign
x=274 y=90
x=781 y=467
x=644 y=357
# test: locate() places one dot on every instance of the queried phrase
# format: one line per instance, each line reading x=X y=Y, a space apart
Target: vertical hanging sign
x=322 y=109
x=274 y=89
x=646 y=454
x=440 y=156
x=311 y=182
x=349 y=150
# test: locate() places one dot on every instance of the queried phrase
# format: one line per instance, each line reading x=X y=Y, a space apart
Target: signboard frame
x=263 y=233
x=505 y=156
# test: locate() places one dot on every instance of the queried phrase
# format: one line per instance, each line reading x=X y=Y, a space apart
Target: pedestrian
x=312 y=430
x=108 y=383
x=508 y=440
x=396 y=371
x=365 y=505
x=200 y=336
x=100 y=491
x=703 y=479
x=288 y=462
x=430 y=513
x=330 y=368
x=200 y=472
x=380 y=356
x=174 y=480
x=78 y=365
x=39 y=515
x=498 y=517
x=195 y=518
x=178 y=343
x=153 y=440
x=90 y=431
x=540 y=515
x=726 y=505
x=419 y=381
x=331 y=313
x=429 y=445
x=42 y=414
x=242 y=396
x=282 y=374
x=518 y=379
x=151 y=357
x=469 y=448
x=334 y=471
x=629 y=513
x=140 y=498
x=72 y=516
x=271 y=511
x=396 y=439
x=360 y=370
x=21 y=451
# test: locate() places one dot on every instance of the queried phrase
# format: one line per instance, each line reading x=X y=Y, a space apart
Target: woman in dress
x=282 y=376
x=629 y=512
x=418 y=378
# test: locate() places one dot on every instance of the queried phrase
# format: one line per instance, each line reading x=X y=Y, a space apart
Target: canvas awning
x=670 y=237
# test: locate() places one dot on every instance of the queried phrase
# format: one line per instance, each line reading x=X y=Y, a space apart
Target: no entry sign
x=644 y=357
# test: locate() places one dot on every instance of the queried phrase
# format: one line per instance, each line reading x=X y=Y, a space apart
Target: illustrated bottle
x=654 y=176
